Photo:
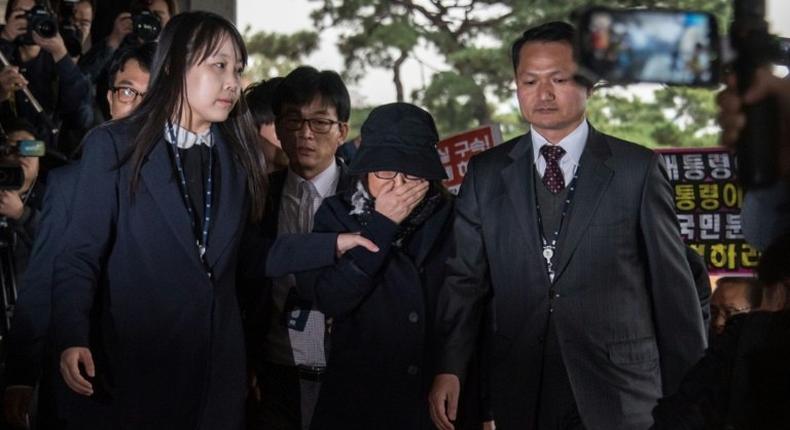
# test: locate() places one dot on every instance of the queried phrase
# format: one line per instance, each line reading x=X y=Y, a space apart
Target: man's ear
x=343 y=133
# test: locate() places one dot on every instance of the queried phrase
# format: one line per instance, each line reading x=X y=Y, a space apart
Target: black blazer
x=382 y=306
x=625 y=308
x=169 y=345
x=284 y=253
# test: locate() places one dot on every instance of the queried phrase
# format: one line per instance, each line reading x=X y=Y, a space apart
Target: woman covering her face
x=382 y=303
x=145 y=305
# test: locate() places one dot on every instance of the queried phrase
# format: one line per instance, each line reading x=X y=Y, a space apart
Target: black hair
x=260 y=98
x=304 y=84
x=144 y=54
x=188 y=40
x=555 y=31
x=13 y=124
x=774 y=267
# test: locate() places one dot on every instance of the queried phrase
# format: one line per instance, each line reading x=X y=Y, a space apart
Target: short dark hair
x=260 y=98
x=13 y=124
x=774 y=267
x=144 y=54
x=305 y=83
x=555 y=31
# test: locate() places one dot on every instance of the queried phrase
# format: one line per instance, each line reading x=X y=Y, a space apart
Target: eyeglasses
x=317 y=125
x=386 y=175
x=126 y=94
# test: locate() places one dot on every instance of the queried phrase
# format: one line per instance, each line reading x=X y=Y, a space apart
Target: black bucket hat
x=399 y=137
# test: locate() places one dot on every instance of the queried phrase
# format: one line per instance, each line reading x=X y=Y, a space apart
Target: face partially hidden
x=728 y=300
x=160 y=9
x=29 y=164
x=310 y=153
x=83 y=18
x=213 y=87
x=549 y=98
x=131 y=75
x=375 y=184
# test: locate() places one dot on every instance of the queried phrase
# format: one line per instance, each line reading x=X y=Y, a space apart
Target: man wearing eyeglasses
x=128 y=75
x=286 y=335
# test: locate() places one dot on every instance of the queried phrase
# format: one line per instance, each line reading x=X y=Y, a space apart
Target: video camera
x=679 y=47
x=12 y=177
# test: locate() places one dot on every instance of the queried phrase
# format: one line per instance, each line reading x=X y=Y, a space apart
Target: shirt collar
x=573 y=144
x=185 y=139
x=325 y=182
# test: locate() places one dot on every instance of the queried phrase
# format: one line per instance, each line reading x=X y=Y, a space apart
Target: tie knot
x=307 y=189
x=552 y=152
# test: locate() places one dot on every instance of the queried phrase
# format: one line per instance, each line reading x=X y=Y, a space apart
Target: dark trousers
x=288 y=398
x=557 y=408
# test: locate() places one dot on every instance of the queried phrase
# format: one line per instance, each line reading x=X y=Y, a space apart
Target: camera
x=146 y=25
x=679 y=47
x=41 y=21
x=12 y=177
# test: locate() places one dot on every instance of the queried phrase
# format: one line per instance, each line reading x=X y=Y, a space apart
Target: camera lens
x=46 y=29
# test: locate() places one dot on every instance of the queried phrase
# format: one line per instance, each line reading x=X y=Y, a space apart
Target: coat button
x=413 y=370
x=414 y=317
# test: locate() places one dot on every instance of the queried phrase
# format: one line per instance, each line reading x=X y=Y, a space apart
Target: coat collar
x=158 y=176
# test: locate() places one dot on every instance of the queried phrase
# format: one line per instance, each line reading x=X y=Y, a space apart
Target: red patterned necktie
x=552 y=177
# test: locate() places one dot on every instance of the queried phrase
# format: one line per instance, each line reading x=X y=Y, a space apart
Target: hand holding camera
x=16 y=26
x=122 y=26
x=11 y=204
x=54 y=45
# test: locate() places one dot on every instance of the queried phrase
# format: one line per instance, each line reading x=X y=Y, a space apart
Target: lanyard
x=550 y=248
x=202 y=240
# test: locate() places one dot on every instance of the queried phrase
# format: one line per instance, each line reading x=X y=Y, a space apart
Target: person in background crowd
x=145 y=309
x=83 y=20
x=30 y=356
x=733 y=296
x=573 y=235
x=42 y=61
x=742 y=381
x=260 y=97
x=20 y=208
x=766 y=211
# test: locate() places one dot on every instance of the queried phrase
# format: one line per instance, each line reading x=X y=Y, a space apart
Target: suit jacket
x=624 y=305
x=29 y=337
x=168 y=344
x=285 y=253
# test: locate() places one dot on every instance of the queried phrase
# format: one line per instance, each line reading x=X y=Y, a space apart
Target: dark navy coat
x=382 y=305
x=168 y=347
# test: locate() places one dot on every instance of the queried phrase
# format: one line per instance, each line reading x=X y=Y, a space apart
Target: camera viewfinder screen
x=653 y=46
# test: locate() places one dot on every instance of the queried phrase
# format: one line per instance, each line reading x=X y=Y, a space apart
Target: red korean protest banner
x=456 y=151
x=708 y=202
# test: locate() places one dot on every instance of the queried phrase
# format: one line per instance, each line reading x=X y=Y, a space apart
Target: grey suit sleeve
x=676 y=308
x=463 y=298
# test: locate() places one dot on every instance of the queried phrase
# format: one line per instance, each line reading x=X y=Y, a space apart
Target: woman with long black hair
x=145 y=305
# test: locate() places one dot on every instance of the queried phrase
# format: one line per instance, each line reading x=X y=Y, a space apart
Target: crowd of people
x=214 y=257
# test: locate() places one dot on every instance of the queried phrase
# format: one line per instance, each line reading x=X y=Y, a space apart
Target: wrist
x=59 y=53
x=114 y=41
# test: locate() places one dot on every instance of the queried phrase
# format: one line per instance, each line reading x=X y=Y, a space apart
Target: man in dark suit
x=573 y=235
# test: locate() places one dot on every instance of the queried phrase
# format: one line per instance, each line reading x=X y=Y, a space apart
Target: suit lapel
x=159 y=178
x=594 y=178
x=519 y=182
x=230 y=199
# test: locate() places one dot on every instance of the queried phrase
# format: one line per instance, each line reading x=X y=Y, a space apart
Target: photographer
x=19 y=209
x=766 y=211
x=41 y=61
